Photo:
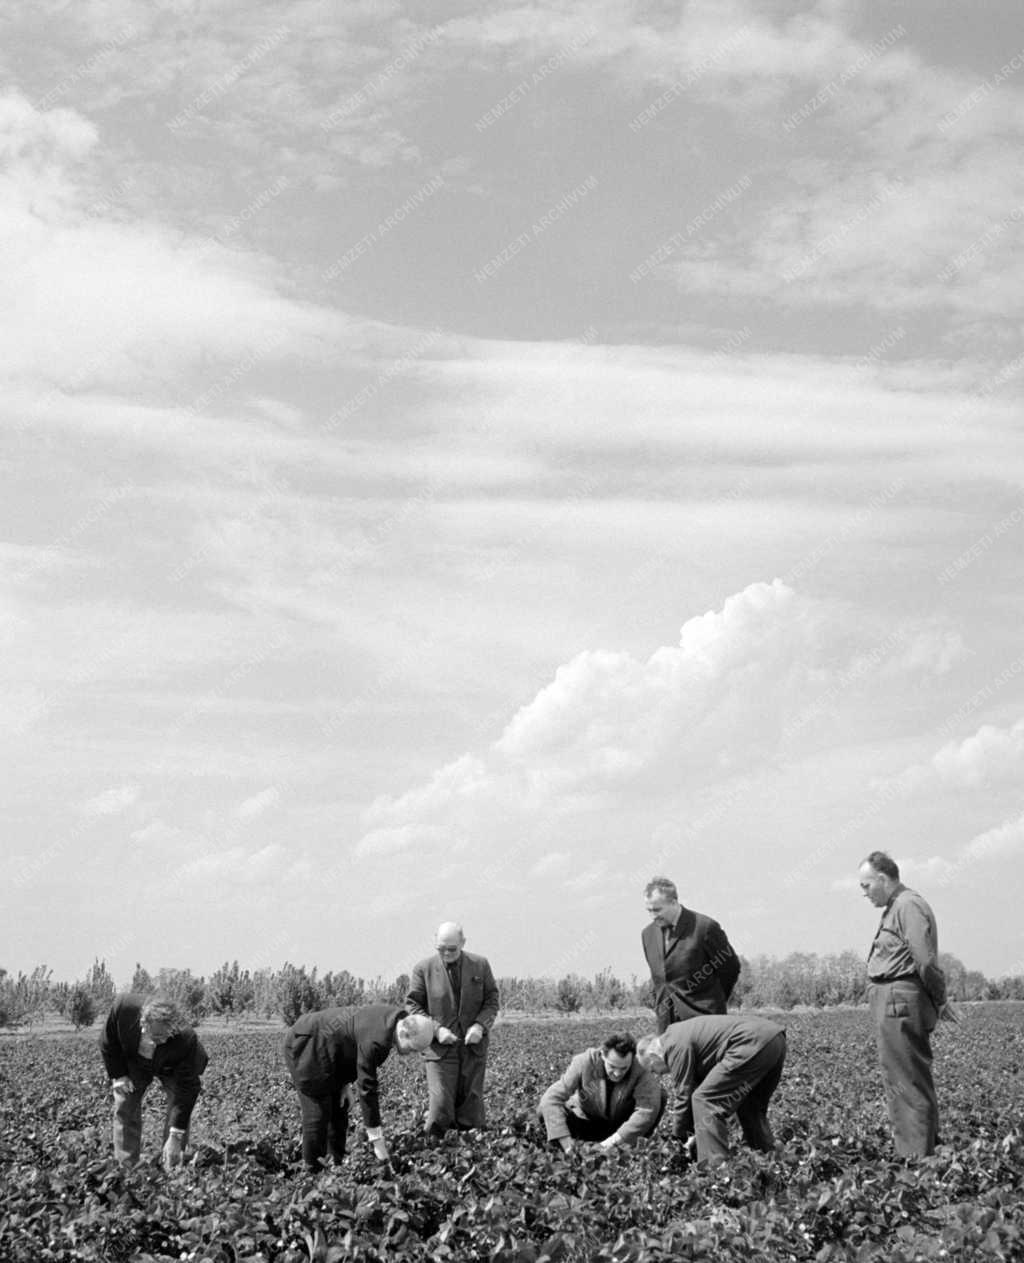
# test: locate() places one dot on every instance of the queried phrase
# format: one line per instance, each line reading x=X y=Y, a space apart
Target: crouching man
x=142 y=1040
x=605 y=1095
x=719 y=1065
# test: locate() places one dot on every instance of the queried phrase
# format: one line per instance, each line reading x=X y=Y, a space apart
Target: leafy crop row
x=832 y=1192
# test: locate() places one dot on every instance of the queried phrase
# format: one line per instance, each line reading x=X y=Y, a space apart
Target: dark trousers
x=743 y=1089
x=324 y=1125
x=904 y=1020
x=455 y=1090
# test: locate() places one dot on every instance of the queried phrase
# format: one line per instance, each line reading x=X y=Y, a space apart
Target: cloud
x=95 y=302
x=112 y=801
x=610 y=724
x=991 y=754
x=259 y=803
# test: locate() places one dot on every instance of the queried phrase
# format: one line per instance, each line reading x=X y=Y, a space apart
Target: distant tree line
x=232 y=993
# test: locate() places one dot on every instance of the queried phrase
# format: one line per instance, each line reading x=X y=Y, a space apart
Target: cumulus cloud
x=112 y=801
x=990 y=754
x=258 y=803
x=611 y=728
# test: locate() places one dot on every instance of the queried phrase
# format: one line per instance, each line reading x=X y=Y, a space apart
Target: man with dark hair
x=457 y=989
x=693 y=966
x=720 y=1065
x=604 y=1095
x=330 y=1050
x=142 y=1040
x=907 y=996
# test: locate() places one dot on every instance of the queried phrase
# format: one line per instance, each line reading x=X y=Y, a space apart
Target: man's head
x=879 y=877
x=414 y=1033
x=161 y=1018
x=449 y=941
x=617 y=1053
x=662 y=901
x=650 y=1055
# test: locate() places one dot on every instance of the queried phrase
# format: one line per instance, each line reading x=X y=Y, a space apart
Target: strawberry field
x=833 y=1191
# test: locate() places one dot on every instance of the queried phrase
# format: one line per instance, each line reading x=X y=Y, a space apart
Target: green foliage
x=24 y=1000
x=833 y=1193
x=569 y=994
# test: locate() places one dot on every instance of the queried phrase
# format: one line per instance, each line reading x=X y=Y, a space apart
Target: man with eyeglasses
x=605 y=1095
x=457 y=990
x=142 y=1040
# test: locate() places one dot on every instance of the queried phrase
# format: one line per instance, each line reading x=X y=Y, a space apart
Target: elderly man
x=328 y=1051
x=457 y=990
x=142 y=1040
x=720 y=1065
x=907 y=996
x=693 y=966
x=605 y=1095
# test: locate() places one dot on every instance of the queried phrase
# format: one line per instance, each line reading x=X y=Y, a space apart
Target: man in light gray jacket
x=605 y=1095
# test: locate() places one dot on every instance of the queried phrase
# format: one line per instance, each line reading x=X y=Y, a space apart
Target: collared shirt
x=906 y=942
x=668 y=932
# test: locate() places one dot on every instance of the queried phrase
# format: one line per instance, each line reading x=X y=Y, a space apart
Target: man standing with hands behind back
x=693 y=966
x=907 y=996
x=457 y=989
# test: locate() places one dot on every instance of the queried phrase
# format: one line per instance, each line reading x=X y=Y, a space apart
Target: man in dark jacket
x=720 y=1065
x=604 y=1095
x=693 y=966
x=142 y=1040
x=457 y=989
x=329 y=1050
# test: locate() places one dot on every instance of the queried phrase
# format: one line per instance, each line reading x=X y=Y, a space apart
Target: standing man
x=605 y=1095
x=142 y=1040
x=457 y=990
x=329 y=1050
x=720 y=1066
x=692 y=963
x=907 y=997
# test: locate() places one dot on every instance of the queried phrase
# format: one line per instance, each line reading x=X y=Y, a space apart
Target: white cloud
x=112 y=801
x=990 y=754
x=259 y=803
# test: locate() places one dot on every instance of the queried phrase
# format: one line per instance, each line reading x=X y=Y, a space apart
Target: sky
x=462 y=460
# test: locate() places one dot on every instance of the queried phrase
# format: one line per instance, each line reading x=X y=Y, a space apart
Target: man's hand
x=609 y=1143
x=380 y=1149
x=174 y=1150
x=445 y=1036
x=475 y=1034
x=122 y=1086
x=949 y=1014
x=690 y=1149
x=566 y=1143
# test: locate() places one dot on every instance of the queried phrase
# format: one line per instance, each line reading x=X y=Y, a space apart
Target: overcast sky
x=463 y=459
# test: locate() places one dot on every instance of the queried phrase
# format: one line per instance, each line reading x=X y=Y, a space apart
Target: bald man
x=457 y=990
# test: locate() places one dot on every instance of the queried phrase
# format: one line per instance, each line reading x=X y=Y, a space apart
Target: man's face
x=616 y=1064
x=661 y=909
x=449 y=946
x=159 y=1032
x=876 y=886
x=654 y=1060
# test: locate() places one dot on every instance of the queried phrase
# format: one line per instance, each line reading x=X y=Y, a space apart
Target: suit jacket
x=177 y=1063
x=430 y=992
x=697 y=974
x=695 y=1047
x=586 y=1090
x=328 y=1048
